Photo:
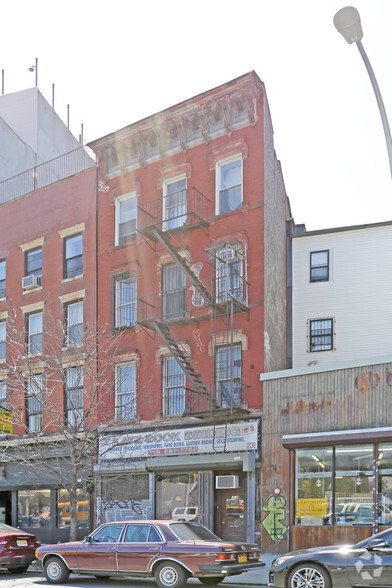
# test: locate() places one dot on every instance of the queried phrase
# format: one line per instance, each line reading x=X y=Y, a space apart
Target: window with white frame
x=124 y=290
x=34 y=339
x=75 y=323
x=34 y=262
x=3 y=338
x=2 y=278
x=229 y=274
x=173 y=291
x=228 y=185
x=74 y=411
x=228 y=375
x=173 y=387
x=73 y=256
x=321 y=334
x=3 y=393
x=319 y=266
x=34 y=403
x=125 y=391
x=174 y=203
x=126 y=218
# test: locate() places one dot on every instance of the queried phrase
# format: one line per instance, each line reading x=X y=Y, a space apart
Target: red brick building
x=192 y=225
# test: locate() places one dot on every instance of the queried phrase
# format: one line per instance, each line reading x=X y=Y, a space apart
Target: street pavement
x=34 y=578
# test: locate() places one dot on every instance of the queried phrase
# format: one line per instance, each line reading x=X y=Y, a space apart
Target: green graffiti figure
x=274 y=522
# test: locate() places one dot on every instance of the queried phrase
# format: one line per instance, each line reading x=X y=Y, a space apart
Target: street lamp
x=348 y=23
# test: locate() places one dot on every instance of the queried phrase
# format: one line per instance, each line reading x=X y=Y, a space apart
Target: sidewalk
x=256 y=577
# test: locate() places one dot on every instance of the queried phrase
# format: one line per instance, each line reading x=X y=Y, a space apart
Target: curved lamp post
x=348 y=23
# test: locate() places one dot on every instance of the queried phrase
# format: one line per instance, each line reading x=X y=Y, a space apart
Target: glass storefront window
x=385 y=484
x=64 y=509
x=34 y=508
x=126 y=497
x=354 y=484
x=313 y=485
x=177 y=497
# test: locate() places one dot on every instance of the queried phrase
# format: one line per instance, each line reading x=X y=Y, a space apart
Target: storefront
x=206 y=473
x=327 y=455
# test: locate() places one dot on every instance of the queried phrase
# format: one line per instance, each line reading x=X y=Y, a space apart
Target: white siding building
x=342 y=294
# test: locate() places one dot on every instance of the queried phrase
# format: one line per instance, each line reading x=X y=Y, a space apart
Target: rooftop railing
x=47 y=173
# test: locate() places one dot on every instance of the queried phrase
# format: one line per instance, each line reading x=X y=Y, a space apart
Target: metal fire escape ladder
x=184 y=361
x=164 y=239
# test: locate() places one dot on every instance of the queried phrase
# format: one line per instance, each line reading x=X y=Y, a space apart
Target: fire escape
x=161 y=222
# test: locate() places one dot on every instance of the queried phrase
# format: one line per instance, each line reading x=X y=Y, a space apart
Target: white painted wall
x=38 y=131
x=358 y=294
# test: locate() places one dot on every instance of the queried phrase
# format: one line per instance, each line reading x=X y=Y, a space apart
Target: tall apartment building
x=192 y=215
x=47 y=282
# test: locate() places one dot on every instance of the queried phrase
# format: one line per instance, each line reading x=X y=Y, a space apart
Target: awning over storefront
x=376 y=435
x=244 y=461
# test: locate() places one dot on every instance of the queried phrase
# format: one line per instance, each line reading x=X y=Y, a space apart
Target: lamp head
x=348 y=23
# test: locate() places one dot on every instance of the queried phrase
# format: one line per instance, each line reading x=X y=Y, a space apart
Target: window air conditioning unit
x=224 y=482
x=31 y=281
x=227 y=254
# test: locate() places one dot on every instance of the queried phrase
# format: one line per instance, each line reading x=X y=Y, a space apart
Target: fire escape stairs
x=164 y=239
x=184 y=361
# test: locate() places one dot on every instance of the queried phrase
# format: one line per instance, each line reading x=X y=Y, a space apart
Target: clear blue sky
x=117 y=62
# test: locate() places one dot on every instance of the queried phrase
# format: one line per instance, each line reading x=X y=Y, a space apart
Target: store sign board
x=311 y=507
x=5 y=422
x=241 y=436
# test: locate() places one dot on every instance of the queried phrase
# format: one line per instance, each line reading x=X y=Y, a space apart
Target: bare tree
x=60 y=386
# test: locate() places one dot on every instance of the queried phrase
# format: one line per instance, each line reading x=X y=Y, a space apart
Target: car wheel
x=18 y=570
x=170 y=575
x=212 y=581
x=56 y=571
x=310 y=575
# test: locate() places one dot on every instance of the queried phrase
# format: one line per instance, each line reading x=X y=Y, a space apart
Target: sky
x=117 y=62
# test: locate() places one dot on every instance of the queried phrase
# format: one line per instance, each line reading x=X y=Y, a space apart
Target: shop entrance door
x=5 y=507
x=230 y=513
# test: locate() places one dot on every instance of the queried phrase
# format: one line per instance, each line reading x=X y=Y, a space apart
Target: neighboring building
x=341 y=294
x=47 y=279
x=327 y=440
x=192 y=216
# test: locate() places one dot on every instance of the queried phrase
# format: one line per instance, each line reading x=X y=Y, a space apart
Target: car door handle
x=154 y=549
x=111 y=548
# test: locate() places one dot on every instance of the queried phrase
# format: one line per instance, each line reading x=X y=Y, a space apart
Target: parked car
x=17 y=548
x=169 y=551
x=358 y=513
x=368 y=563
x=185 y=513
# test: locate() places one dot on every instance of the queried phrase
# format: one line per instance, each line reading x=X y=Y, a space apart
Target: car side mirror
x=88 y=539
x=376 y=544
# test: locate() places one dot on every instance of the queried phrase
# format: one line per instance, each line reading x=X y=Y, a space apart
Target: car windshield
x=7 y=529
x=193 y=532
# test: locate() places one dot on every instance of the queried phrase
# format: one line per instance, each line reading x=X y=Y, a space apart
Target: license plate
x=21 y=543
x=242 y=558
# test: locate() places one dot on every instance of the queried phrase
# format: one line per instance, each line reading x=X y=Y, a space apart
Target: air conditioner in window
x=227 y=254
x=222 y=482
x=31 y=281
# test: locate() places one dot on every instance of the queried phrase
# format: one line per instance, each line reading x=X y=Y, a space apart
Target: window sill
x=35 y=289
x=64 y=280
x=123 y=328
x=131 y=241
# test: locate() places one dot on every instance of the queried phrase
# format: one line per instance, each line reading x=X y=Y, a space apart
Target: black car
x=368 y=563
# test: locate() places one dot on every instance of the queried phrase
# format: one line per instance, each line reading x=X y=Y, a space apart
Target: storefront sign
x=311 y=507
x=233 y=437
x=6 y=422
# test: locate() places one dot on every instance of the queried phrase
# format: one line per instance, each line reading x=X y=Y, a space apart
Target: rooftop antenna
x=35 y=67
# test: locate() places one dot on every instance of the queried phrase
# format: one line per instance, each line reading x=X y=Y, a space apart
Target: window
x=125 y=391
x=124 y=304
x=34 y=342
x=321 y=335
x=108 y=533
x=74 y=397
x=228 y=373
x=229 y=281
x=3 y=337
x=34 y=262
x=319 y=266
x=64 y=509
x=2 y=278
x=74 y=324
x=385 y=483
x=173 y=291
x=176 y=491
x=229 y=185
x=33 y=508
x=34 y=403
x=126 y=214
x=3 y=393
x=173 y=393
x=73 y=250
x=174 y=203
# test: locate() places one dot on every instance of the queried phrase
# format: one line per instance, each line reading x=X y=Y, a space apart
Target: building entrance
x=230 y=512
x=5 y=508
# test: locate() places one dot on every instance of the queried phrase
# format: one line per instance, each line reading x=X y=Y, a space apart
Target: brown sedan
x=169 y=551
